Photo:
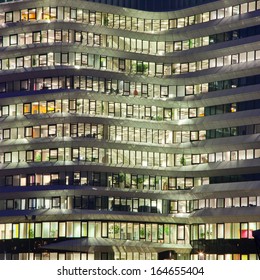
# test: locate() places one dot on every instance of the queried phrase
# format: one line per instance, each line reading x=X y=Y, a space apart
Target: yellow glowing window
x=43 y=109
x=50 y=106
x=27 y=108
x=35 y=109
x=24 y=14
x=46 y=13
x=32 y=14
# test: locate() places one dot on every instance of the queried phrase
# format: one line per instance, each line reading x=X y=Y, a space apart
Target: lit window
x=27 y=108
x=43 y=60
x=181 y=232
x=13 y=39
x=52 y=130
x=9 y=17
x=28 y=131
x=8 y=157
x=29 y=156
x=5 y=110
x=32 y=14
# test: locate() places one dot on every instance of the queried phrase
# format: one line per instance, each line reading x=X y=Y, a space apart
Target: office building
x=129 y=133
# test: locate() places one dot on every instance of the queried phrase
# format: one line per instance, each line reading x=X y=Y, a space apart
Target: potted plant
x=115 y=229
x=141 y=68
x=121 y=179
x=31 y=233
x=38 y=157
x=105 y=20
x=159 y=118
x=33 y=61
x=182 y=160
x=140 y=182
x=166 y=230
x=142 y=232
x=53 y=233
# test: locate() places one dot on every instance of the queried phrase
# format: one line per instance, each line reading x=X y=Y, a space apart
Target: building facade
x=129 y=134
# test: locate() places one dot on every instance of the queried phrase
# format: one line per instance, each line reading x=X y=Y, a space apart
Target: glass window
x=6 y=133
x=250 y=154
x=243 y=8
x=228 y=202
x=244 y=230
x=236 y=10
x=236 y=202
x=28 y=131
x=26 y=108
x=45 y=230
x=13 y=39
x=43 y=60
x=32 y=14
x=19 y=62
x=53 y=154
x=180 y=232
x=15 y=230
x=257 y=153
x=62 y=229
x=8 y=16
x=29 y=156
x=220 y=231
x=50 y=106
x=195 y=159
x=64 y=58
